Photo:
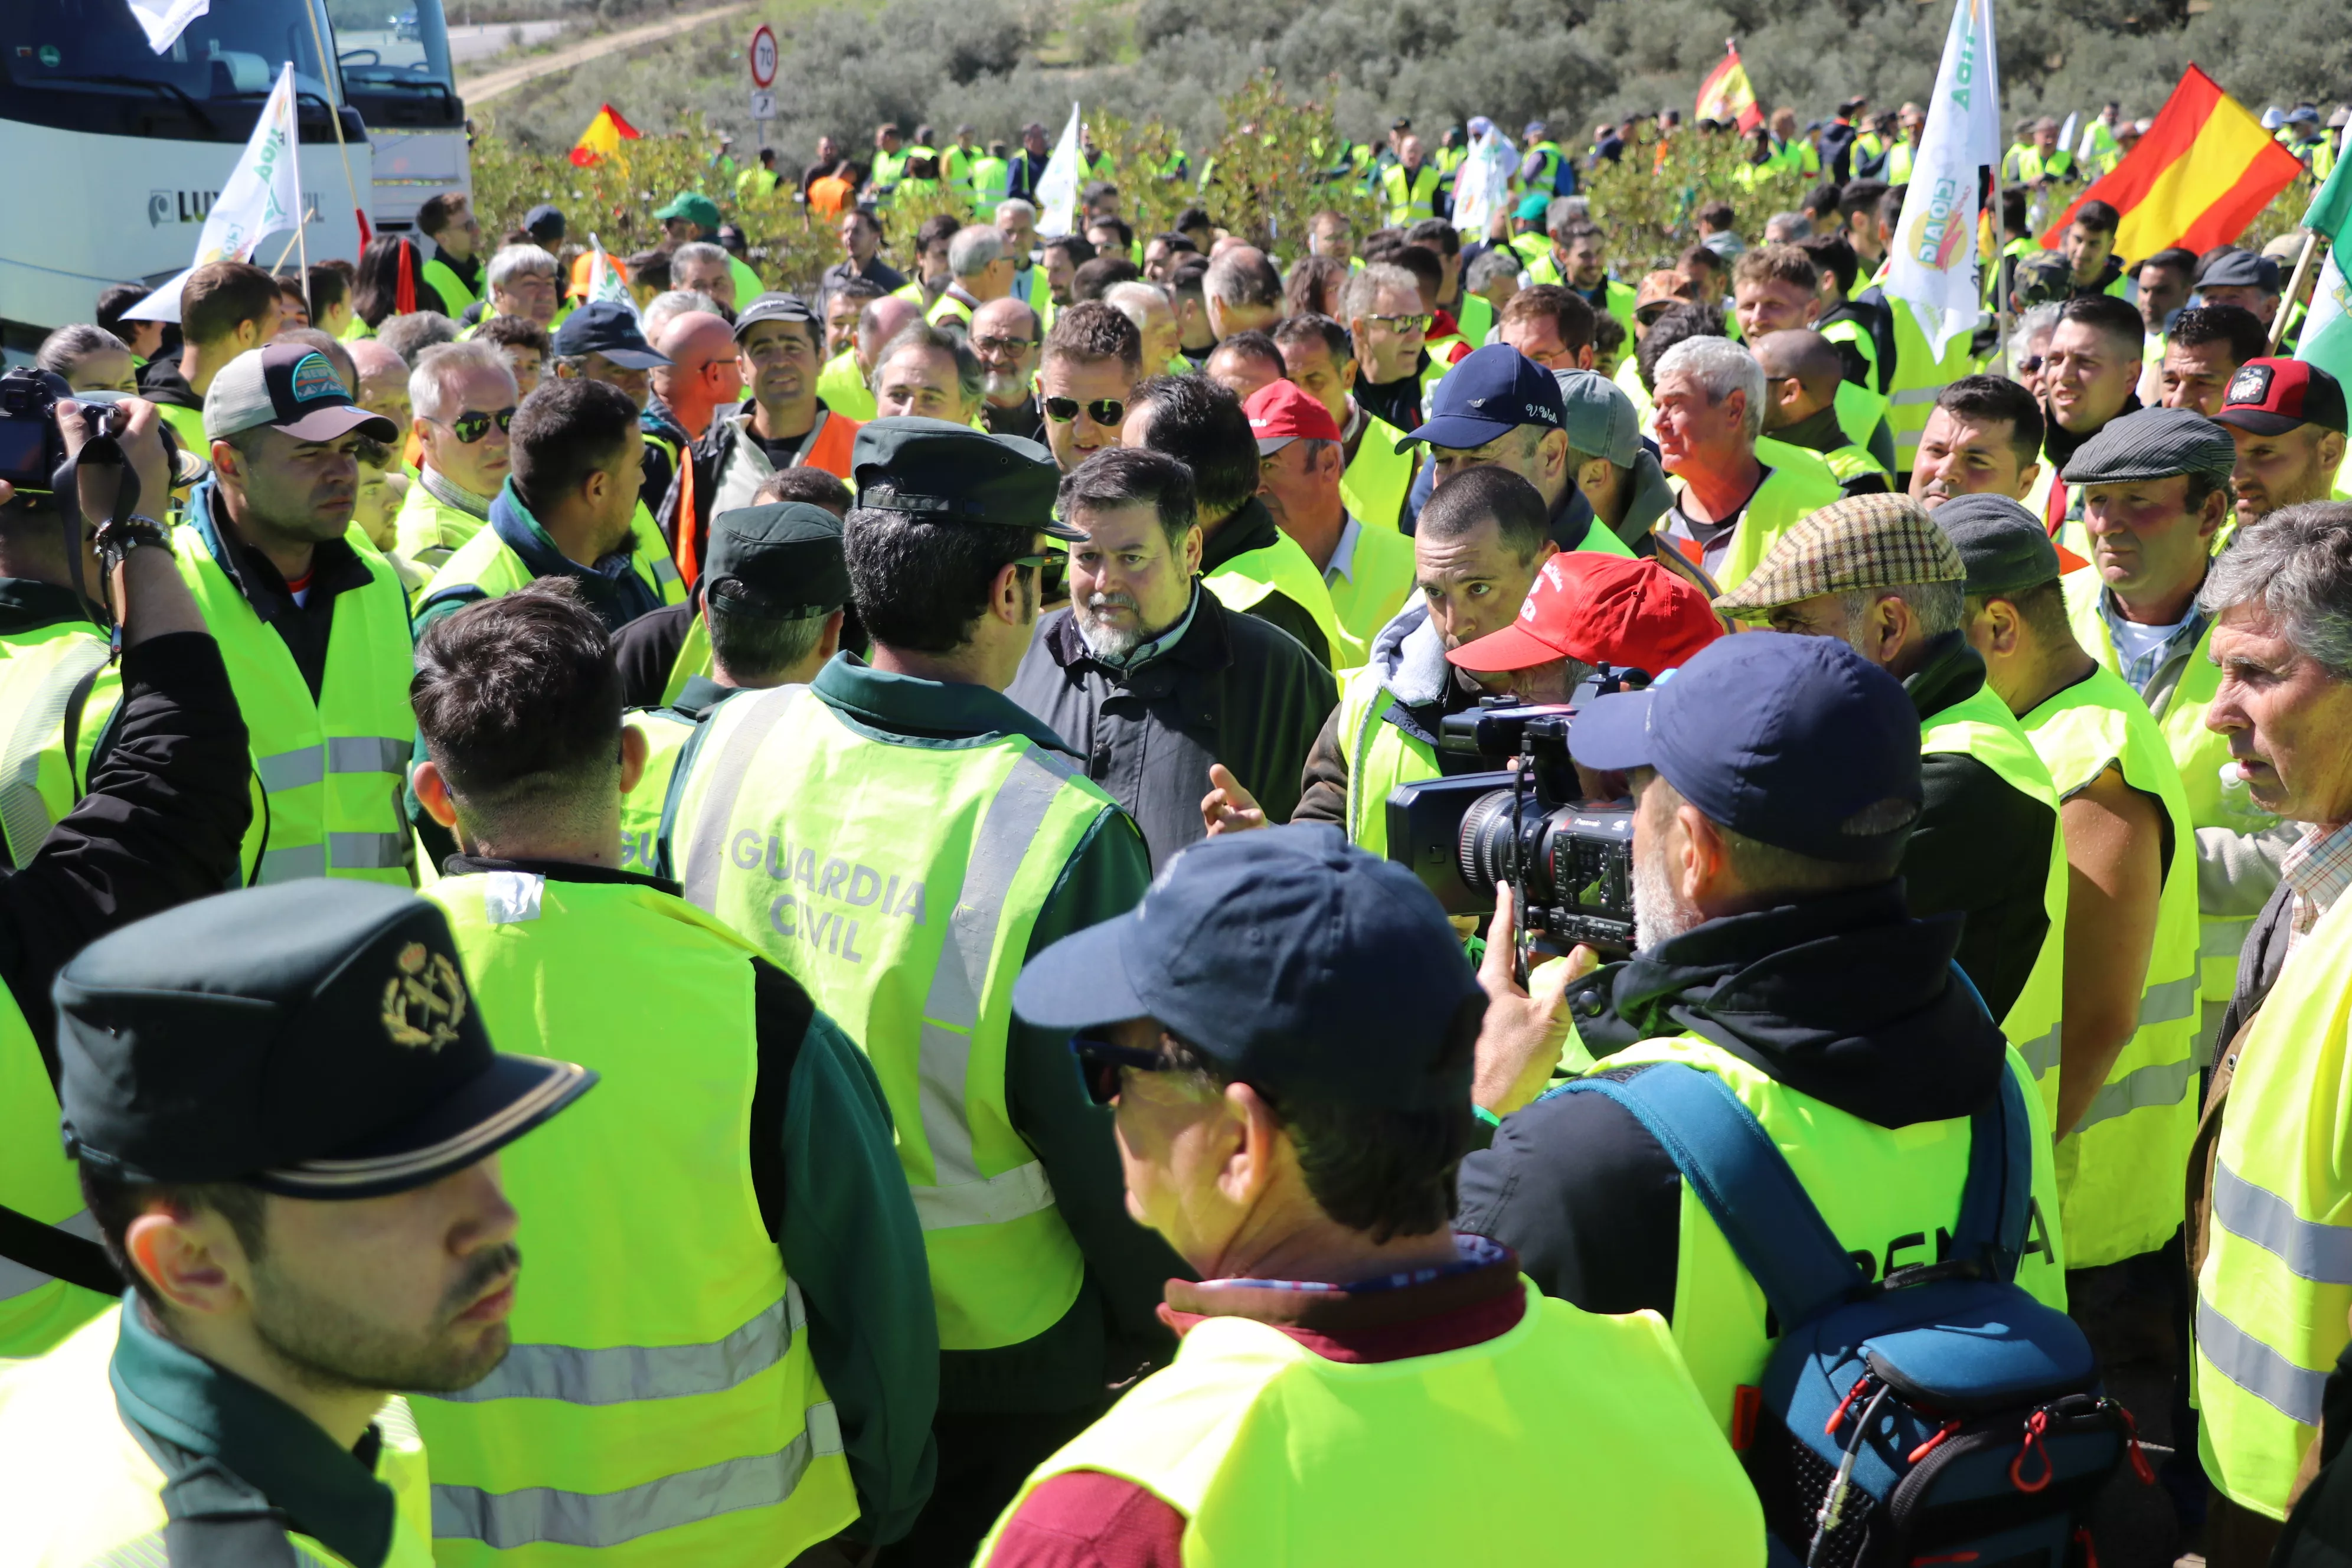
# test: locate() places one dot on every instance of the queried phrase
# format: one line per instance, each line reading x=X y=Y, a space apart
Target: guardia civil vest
x=1920 y=375
x=2118 y=1169
x=1793 y=491
x=2200 y=753
x=2277 y=1277
x=328 y=774
x=1379 y=580
x=1409 y=196
x=38 y=1181
x=1280 y=567
x=1377 y=479
x=1380 y=757
x=1981 y=726
x=79 y=1491
x=1275 y=1454
x=1891 y=1195
x=486 y=562
x=666 y=731
x=55 y=681
x=841 y=384
x=429 y=531
x=899 y=884
x=660 y=1402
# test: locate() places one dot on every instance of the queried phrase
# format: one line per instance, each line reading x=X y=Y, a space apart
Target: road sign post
x=762 y=59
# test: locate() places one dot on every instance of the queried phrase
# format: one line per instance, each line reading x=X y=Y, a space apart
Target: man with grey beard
x=1151 y=680
x=1777 y=785
x=1006 y=336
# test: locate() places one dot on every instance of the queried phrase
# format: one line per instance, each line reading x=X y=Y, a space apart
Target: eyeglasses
x=1003 y=345
x=1100 y=1062
x=1102 y=410
x=473 y=425
x=1402 y=323
x=1648 y=314
x=2029 y=364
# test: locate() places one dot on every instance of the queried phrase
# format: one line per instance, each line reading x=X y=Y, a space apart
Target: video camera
x=1570 y=863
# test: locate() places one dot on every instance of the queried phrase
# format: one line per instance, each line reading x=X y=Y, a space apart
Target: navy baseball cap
x=1786 y=738
x=1489 y=392
x=1296 y=962
x=609 y=328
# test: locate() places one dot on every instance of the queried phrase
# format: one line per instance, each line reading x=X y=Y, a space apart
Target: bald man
x=1801 y=372
x=702 y=376
x=383 y=379
x=846 y=383
x=1008 y=338
x=1146 y=304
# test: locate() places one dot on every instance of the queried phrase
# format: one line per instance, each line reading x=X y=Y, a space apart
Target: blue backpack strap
x=1738 y=1172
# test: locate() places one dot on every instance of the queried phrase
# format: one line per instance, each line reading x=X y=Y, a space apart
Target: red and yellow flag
x=602 y=138
x=2203 y=173
x=1726 y=95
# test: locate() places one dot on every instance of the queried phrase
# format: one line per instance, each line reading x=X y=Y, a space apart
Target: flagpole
x=294 y=156
x=2303 y=265
x=334 y=119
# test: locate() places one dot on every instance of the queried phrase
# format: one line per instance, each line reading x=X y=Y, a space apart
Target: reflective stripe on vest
x=1981 y=726
x=1920 y=377
x=1380 y=758
x=39 y=670
x=427 y=531
x=661 y=1374
x=2117 y=1170
x=1885 y=1193
x=2200 y=753
x=899 y=884
x=1409 y=198
x=328 y=771
x=1271 y=1453
x=2276 y=1282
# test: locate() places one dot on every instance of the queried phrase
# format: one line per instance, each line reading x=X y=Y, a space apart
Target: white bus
x=395 y=62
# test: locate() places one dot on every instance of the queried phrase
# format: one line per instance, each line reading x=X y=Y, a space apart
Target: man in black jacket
x=1148 y=676
x=165 y=808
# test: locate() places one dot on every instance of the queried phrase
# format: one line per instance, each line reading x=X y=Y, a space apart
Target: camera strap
x=66 y=485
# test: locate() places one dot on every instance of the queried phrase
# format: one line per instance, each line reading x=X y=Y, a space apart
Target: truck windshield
x=229 y=54
x=392 y=48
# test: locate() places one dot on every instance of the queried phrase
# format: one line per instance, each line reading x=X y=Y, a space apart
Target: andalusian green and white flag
x=604 y=281
x=2327 y=340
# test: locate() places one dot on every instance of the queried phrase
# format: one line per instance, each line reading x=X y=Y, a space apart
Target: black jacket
x=1981 y=849
x=1846 y=998
x=1253 y=528
x=1232 y=691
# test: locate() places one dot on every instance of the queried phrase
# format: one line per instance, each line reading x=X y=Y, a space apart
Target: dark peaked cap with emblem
x=943 y=472
x=316 y=1039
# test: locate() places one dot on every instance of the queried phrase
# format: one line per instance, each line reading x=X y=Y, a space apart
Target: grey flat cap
x=2006 y=551
x=2154 y=444
x=2241 y=269
x=1600 y=416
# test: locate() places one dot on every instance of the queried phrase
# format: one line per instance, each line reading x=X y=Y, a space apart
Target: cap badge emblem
x=2251 y=385
x=315 y=378
x=425 y=1002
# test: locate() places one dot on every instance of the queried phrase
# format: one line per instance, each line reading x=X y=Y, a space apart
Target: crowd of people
x=887 y=811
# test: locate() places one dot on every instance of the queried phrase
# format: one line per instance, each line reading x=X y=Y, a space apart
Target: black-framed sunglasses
x=473 y=425
x=1100 y=1061
x=1104 y=411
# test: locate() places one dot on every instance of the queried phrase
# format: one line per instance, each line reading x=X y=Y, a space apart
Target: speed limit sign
x=763 y=57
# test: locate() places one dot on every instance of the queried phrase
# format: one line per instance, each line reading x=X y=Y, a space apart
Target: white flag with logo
x=1932 y=263
x=1057 y=187
x=263 y=196
x=164 y=20
x=605 y=283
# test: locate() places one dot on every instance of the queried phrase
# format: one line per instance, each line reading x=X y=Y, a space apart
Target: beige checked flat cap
x=1849 y=545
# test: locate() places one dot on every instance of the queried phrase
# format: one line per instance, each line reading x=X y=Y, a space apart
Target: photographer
x=165 y=808
x=1776 y=780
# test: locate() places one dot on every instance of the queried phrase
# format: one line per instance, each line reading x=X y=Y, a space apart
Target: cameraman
x=1587 y=610
x=166 y=809
x=1777 y=781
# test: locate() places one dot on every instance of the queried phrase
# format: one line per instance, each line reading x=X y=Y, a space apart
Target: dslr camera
x=32 y=446
x=1570 y=863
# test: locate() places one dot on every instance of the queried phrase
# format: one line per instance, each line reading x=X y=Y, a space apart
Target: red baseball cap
x=1280 y=412
x=1600 y=609
x=2271 y=396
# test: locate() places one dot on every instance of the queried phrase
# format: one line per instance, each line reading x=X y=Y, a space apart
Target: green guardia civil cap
x=943 y=473
x=789 y=553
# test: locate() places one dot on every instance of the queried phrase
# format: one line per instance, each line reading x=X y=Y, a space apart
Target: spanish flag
x=1726 y=93
x=2203 y=173
x=604 y=135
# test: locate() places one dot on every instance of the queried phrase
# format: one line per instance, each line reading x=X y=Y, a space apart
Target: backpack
x=1939 y=1415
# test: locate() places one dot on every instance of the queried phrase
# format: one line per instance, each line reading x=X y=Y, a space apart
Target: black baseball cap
x=287 y=386
x=315 y=1038
x=1489 y=391
x=1783 y=738
x=944 y=472
x=1298 y=963
x=789 y=552
x=544 y=221
x=609 y=328
x=777 y=308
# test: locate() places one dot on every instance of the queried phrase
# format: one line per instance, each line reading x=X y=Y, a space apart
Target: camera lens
x=1484 y=845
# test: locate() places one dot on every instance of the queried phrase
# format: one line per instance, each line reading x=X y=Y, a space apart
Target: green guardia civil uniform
x=327 y=771
x=659 y=1403
x=1885 y=1193
x=2118 y=1171
x=899 y=884
x=1275 y=1454
x=2199 y=753
x=85 y=1489
x=1981 y=726
x=2276 y=1280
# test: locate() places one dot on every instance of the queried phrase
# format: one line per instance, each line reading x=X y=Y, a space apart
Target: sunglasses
x=1101 y=1061
x=1402 y=323
x=473 y=425
x=1102 y=410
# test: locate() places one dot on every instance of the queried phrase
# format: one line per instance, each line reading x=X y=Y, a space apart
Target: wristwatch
x=117 y=537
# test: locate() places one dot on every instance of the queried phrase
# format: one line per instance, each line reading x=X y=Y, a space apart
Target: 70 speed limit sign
x=763 y=57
